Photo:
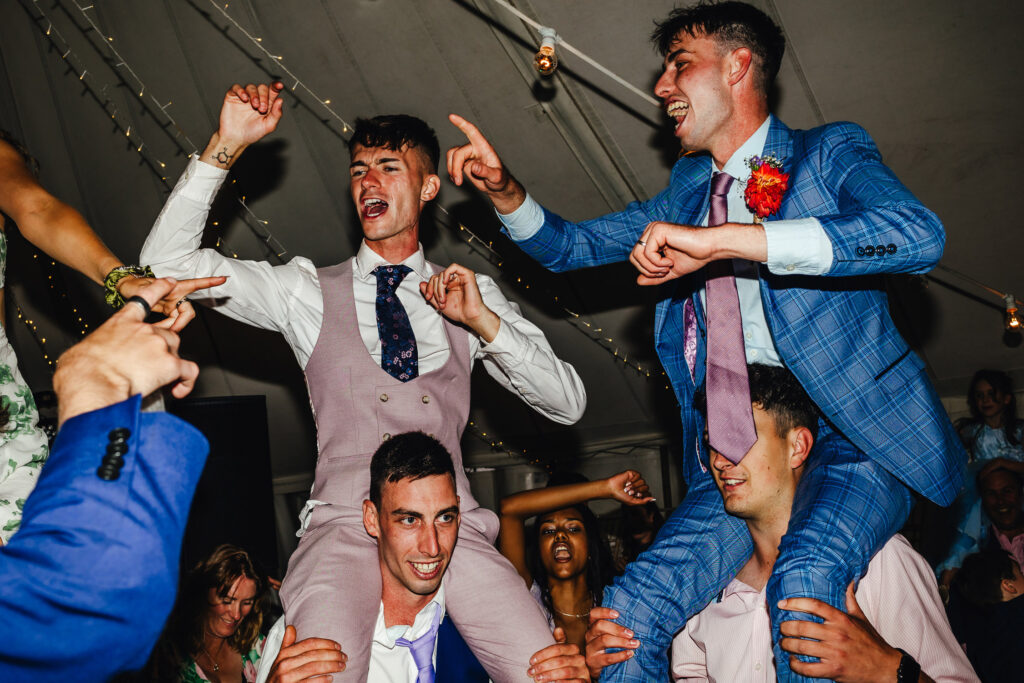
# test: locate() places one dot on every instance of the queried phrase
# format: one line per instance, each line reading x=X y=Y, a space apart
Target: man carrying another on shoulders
x=413 y=512
x=387 y=342
x=895 y=629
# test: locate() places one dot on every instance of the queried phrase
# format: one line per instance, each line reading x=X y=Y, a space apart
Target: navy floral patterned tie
x=398 y=354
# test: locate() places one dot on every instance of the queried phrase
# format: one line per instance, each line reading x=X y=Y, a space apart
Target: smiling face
x=390 y=188
x=227 y=612
x=990 y=401
x=562 y=541
x=695 y=91
x=1001 y=499
x=761 y=486
x=416 y=528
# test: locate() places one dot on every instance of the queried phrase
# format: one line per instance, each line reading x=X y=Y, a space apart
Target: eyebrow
x=454 y=509
x=385 y=160
x=675 y=53
x=568 y=519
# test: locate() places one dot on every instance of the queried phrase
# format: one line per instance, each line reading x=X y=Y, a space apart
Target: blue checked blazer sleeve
x=88 y=581
x=874 y=222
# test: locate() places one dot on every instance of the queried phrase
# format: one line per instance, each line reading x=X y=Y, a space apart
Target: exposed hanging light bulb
x=1014 y=320
x=546 y=61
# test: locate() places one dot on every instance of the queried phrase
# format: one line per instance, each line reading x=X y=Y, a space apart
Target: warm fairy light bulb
x=546 y=61
x=1014 y=320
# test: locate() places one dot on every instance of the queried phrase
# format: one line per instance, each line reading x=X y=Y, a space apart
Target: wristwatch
x=909 y=670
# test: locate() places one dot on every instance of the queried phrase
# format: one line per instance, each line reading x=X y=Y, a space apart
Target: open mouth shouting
x=373 y=207
x=561 y=552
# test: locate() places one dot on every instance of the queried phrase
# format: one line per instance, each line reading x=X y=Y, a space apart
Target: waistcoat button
x=383 y=398
x=385 y=437
x=426 y=399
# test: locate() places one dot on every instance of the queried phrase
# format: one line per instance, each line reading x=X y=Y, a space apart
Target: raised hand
x=479 y=163
x=455 y=294
x=123 y=357
x=559 y=662
x=666 y=251
x=629 y=487
x=249 y=112
x=174 y=304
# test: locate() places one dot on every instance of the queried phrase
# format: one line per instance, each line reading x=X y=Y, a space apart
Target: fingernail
x=635 y=643
x=615 y=614
x=781 y=603
x=529 y=672
x=629 y=633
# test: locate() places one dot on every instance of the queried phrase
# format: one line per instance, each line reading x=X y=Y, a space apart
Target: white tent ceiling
x=936 y=83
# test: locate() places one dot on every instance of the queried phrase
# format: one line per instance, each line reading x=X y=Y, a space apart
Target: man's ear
x=740 y=62
x=800 y=442
x=1009 y=589
x=431 y=186
x=370 y=521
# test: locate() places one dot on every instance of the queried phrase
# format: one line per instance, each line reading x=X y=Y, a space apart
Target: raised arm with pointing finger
x=793 y=214
x=387 y=341
x=88 y=581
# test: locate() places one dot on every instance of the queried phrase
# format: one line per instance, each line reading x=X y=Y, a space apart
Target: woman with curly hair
x=569 y=563
x=213 y=633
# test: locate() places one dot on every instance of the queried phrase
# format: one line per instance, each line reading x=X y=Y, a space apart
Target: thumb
x=852 y=608
x=289 y=637
x=559 y=634
x=486 y=173
x=151 y=294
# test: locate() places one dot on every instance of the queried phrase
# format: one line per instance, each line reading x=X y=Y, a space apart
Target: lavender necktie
x=730 y=418
x=422 y=649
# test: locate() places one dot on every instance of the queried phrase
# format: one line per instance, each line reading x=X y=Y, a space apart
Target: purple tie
x=730 y=418
x=422 y=649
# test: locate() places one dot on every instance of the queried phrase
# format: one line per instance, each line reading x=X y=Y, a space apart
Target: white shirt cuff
x=507 y=341
x=200 y=182
x=798 y=247
x=524 y=222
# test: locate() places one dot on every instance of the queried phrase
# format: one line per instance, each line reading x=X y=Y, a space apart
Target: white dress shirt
x=287 y=298
x=389 y=663
x=795 y=247
x=730 y=640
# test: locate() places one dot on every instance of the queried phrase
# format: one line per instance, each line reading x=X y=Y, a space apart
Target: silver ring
x=641 y=243
x=181 y=301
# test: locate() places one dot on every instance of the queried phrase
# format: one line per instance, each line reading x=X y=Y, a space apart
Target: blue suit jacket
x=834 y=331
x=88 y=581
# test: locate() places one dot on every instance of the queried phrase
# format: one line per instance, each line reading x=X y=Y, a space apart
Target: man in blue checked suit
x=809 y=298
x=88 y=581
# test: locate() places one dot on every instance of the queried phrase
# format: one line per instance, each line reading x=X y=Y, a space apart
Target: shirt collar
x=386 y=637
x=736 y=166
x=367 y=259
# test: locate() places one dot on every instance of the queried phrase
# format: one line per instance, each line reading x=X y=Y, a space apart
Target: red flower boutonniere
x=765 y=187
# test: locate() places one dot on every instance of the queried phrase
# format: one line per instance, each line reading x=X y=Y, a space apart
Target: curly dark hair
x=777 y=391
x=395 y=131
x=980 y=575
x=731 y=25
x=183 y=636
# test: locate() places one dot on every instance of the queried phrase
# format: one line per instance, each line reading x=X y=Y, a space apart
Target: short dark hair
x=777 y=391
x=731 y=25
x=1015 y=475
x=980 y=575
x=412 y=455
x=395 y=131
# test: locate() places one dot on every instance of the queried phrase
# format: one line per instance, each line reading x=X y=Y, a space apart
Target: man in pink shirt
x=730 y=640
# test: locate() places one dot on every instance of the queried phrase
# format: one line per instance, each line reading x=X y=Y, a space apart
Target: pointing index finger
x=471 y=131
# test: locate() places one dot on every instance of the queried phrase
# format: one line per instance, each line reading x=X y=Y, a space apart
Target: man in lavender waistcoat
x=379 y=360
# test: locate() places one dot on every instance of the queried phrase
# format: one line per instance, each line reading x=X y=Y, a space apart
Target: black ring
x=142 y=302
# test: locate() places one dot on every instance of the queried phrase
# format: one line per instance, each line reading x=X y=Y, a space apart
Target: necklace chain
x=570 y=614
x=216 y=666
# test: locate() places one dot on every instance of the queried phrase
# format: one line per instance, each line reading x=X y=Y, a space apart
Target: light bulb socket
x=1014 y=321
x=546 y=61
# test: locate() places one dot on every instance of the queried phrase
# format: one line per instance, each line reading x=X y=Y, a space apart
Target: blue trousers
x=846 y=507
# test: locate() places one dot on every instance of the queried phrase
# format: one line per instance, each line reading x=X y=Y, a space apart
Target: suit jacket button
x=880 y=250
x=108 y=473
x=119 y=434
x=890 y=249
x=860 y=251
x=425 y=399
x=383 y=398
x=117 y=448
x=869 y=250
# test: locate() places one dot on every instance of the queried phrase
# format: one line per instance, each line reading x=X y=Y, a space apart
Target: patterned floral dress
x=23 y=445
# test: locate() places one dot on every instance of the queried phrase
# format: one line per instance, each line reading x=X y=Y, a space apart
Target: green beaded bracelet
x=113 y=297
